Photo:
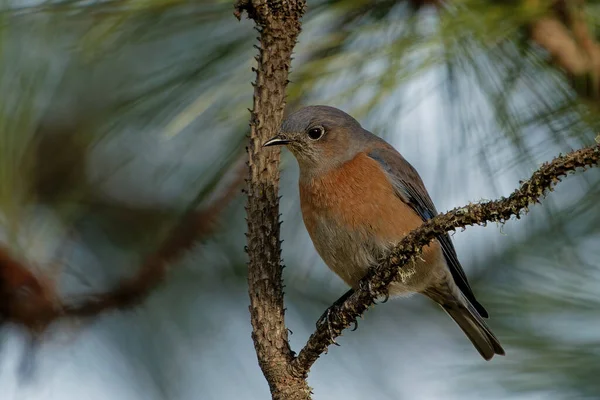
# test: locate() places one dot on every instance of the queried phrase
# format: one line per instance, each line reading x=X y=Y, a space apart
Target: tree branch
x=193 y=225
x=375 y=284
x=278 y=22
x=31 y=300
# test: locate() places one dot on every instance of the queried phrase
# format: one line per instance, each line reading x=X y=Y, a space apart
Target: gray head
x=320 y=137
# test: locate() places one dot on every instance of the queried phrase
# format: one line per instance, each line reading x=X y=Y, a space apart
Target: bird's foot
x=369 y=289
x=325 y=318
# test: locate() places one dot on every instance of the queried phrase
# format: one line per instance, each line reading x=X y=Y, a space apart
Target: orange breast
x=353 y=215
x=358 y=196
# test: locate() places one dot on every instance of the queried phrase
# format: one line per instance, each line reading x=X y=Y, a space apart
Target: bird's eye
x=316 y=133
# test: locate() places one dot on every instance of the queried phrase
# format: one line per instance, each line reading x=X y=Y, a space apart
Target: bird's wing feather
x=410 y=188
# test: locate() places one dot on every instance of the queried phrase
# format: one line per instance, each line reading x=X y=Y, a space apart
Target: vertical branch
x=278 y=22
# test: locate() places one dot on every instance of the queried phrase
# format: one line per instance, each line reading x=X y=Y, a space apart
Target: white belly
x=350 y=254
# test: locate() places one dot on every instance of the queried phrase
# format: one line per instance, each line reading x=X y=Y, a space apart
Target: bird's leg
x=335 y=306
x=326 y=316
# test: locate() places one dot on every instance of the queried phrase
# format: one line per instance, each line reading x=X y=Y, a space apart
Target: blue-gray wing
x=410 y=188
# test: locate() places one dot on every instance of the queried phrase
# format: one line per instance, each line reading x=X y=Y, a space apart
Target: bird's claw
x=369 y=288
x=326 y=318
x=323 y=317
x=386 y=298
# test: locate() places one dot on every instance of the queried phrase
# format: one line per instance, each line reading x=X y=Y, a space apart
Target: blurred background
x=123 y=120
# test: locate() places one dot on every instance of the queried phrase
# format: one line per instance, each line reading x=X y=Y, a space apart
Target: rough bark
x=278 y=23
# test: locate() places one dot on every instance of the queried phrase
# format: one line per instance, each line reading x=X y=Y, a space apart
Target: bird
x=359 y=197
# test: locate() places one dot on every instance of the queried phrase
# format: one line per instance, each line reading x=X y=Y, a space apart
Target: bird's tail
x=471 y=323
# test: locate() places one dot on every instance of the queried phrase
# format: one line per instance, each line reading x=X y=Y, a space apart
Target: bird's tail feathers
x=473 y=325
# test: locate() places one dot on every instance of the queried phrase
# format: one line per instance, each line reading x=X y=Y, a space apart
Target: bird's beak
x=276 y=141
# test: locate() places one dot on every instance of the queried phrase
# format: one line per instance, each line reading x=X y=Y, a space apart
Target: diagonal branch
x=31 y=300
x=375 y=284
x=193 y=225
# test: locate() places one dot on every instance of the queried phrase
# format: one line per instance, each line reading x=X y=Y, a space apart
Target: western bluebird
x=359 y=197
